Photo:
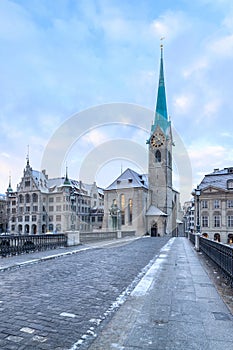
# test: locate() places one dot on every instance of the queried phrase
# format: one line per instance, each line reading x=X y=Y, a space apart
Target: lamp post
x=198 y=193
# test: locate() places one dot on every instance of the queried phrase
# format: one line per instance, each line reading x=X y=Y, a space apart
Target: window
x=122 y=204
x=216 y=204
x=51 y=200
x=157 y=156
x=20 y=198
x=58 y=199
x=58 y=217
x=130 y=211
x=50 y=208
x=230 y=221
x=205 y=221
x=27 y=183
x=33 y=217
x=27 y=198
x=21 y=210
x=35 y=208
x=27 y=209
x=50 y=218
x=217 y=220
x=35 y=198
x=58 y=208
x=27 y=218
x=20 y=218
x=230 y=184
x=204 y=204
x=230 y=203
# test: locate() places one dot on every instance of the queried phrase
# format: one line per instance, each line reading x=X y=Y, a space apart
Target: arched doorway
x=34 y=229
x=20 y=228
x=217 y=237
x=230 y=238
x=26 y=229
x=154 y=230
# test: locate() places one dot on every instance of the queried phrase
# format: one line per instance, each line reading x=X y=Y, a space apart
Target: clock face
x=157 y=140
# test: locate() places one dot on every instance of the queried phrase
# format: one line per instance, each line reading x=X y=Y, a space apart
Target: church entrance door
x=154 y=230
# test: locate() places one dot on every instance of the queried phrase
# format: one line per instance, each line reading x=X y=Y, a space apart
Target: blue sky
x=59 y=58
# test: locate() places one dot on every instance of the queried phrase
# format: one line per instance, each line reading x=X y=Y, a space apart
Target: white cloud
x=183 y=103
x=170 y=25
x=95 y=137
x=223 y=46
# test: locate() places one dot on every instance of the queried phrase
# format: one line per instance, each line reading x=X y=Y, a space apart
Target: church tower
x=159 y=213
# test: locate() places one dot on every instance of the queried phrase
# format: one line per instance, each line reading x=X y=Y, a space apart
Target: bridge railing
x=220 y=253
x=14 y=245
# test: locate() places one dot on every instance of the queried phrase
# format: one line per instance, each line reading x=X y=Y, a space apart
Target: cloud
x=222 y=47
x=170 y=24
x=183 y=103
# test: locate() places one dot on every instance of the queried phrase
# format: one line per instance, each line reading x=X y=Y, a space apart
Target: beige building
x=43 y=205
x=216 y=205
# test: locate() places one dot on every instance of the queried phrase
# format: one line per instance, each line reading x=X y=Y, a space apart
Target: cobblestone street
x=62 y=303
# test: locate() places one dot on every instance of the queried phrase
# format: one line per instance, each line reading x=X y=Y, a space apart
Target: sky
x=79 y=83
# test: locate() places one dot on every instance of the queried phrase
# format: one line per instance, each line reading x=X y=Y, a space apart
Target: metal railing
x=14 y=245
x=220 y=253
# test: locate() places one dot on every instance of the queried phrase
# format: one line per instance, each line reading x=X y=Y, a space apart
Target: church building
x=147 y=203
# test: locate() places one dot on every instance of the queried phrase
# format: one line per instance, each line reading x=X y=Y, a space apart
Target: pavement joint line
x=55 y=256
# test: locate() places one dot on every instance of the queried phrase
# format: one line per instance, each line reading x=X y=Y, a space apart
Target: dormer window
x=130 y=180
x=230 y=184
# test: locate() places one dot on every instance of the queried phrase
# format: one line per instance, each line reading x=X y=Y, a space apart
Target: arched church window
x=157 y=156
x=130 y=211
x=122 y=203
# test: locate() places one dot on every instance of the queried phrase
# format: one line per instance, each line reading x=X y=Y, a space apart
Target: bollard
x=197 y=242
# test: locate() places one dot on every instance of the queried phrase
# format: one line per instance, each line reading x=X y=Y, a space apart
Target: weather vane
x=161 y=39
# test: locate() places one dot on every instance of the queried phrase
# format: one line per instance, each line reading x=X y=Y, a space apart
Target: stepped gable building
x=41 y=205
x=148 y=203
x=216 y=205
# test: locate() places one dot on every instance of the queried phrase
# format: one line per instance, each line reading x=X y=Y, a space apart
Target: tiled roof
x=217 y=179
x=129 y=179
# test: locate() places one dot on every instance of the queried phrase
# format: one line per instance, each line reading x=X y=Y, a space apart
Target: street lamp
x=198 y=193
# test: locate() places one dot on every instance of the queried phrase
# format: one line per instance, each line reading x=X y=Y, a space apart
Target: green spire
x=67 y=181
x=161 y=106
x=9 y=189
x=161 y=116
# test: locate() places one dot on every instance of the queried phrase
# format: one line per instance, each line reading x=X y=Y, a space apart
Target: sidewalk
x=36 y=257
x=174 y=307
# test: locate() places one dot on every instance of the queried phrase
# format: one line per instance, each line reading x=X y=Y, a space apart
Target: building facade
x=3 y=214
x=215 y=205
x=43 y=205
x=154 y=204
